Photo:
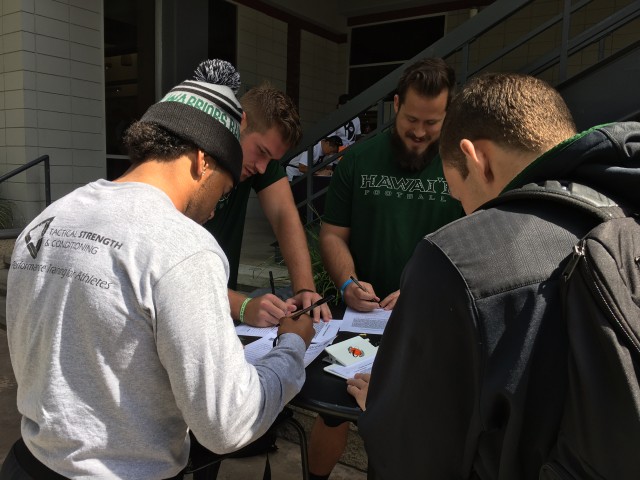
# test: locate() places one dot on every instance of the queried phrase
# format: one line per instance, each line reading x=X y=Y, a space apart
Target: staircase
x=551 y=39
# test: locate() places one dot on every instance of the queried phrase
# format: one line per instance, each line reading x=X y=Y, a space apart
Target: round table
x=325 y=393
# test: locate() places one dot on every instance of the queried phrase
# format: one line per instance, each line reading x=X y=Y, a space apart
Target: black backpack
x=599 y=437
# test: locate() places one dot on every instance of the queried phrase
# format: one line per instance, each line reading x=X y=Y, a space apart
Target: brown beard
x=408 y=160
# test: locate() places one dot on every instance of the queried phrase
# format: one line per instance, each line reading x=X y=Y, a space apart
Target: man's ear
x=199 y=165
x=478 y=155
x=243 y=121
x=396 y=103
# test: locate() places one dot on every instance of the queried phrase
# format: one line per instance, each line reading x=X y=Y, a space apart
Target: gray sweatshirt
x=121 y=339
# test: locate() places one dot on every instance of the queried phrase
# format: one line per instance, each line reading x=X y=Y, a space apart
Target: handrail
x=32 y=163
x=459 y=41
x=586 y=38
x=446 y=46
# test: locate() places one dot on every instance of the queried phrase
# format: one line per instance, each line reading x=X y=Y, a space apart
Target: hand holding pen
x=359 y=295
x=303 y=327
x=322 y=301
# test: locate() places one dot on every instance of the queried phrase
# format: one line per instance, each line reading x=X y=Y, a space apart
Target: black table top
x=325 y=393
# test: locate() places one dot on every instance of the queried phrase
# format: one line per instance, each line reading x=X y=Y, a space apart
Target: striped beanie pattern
x=205 y=111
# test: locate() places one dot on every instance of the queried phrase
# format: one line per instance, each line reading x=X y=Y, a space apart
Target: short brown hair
x=267 y=107
x=428 y=77
x=516 y=111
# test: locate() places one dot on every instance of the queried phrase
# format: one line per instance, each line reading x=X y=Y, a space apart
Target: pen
x=355 y=280
x=295 y=315
x=326 y=299
x=273 y=286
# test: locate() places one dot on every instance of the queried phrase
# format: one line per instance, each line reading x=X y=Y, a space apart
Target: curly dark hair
x=145 y=140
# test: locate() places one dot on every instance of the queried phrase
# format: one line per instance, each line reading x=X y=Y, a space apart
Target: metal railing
x=455 y=48
x=27 y=166
x=10 y=233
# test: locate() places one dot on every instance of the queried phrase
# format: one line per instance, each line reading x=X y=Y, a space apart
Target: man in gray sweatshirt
x=118 y=317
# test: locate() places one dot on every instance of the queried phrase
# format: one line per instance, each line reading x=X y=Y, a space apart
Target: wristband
x=304 y=290
x=345 y=285
x=242 y=308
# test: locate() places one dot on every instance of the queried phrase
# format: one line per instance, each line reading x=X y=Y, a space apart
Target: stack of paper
x=363 y=366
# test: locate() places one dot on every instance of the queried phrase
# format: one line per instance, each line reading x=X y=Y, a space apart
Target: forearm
x=235 y=303
x=336 y=258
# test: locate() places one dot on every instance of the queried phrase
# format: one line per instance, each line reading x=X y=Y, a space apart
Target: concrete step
x=253 y=277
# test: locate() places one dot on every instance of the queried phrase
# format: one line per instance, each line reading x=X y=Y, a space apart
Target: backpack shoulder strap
x=568 y=193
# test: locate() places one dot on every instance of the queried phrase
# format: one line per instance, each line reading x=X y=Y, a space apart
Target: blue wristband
x=345 y=285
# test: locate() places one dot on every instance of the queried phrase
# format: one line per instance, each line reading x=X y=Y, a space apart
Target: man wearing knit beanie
x=118 y=317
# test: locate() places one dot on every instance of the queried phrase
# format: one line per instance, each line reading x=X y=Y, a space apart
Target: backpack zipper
x=578 y=253
x=594 y=286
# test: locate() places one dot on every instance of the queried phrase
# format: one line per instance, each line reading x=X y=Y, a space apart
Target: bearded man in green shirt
x=386 y=194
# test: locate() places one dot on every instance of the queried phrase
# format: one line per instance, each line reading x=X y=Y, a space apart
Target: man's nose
x=420 y=131
x=261 y=166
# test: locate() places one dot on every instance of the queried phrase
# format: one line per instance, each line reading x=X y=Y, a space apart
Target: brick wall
x=51 y=97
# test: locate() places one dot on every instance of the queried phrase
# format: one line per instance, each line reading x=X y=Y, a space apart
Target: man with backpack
x=480 y=373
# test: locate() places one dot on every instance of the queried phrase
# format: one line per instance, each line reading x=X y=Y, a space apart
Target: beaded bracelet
x=242 y=308
x=304 y=290
x=345 y=285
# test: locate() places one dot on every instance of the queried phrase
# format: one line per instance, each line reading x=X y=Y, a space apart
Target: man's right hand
x=360 y=300
x=302 y=326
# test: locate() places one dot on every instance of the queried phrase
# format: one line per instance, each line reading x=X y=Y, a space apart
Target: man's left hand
x=358 y=387
x=266 y=311
x=390 y=300
x=304 y=298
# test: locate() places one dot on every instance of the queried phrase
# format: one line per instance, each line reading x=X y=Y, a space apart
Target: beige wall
x=262 y=56
x=51 y=97
x=262 y=49
x=323 y=76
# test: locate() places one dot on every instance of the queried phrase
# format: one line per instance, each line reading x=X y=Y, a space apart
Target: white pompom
x=219 y=72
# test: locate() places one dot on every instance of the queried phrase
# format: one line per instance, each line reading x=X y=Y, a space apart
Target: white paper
x=363 y=366
x=254 y=351
x=373 y=322
x=313 y=351
x=249 y=331
x=325 y=331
